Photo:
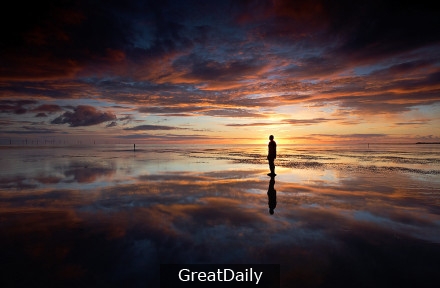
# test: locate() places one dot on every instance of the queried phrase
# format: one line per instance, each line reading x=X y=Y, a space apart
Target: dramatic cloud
x=84 y=116
x=364 y=65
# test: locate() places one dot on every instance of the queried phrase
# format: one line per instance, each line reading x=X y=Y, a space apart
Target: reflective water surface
x=346 y=216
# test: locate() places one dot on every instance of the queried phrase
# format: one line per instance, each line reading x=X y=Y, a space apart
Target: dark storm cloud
x=84 y=116
x=356 y=30
x=374 y=29
x=59 y=38
x=283 y=21
x=65 y=37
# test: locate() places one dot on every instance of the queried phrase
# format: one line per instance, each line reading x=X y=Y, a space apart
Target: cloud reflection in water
x=363 y=229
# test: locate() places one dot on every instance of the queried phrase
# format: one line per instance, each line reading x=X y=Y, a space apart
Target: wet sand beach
x=344 y=216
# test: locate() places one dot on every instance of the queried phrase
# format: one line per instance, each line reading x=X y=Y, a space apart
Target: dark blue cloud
x=84 y=116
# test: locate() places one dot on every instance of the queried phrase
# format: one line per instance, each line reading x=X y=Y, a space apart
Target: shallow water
x=345 y=216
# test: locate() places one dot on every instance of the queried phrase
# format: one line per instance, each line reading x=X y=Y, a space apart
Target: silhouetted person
x=272 y=155
x=272 y=195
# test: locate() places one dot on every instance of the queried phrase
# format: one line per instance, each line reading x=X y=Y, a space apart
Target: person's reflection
x=272 y=195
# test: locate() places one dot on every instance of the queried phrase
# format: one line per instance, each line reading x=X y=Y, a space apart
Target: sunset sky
x=176 y=71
